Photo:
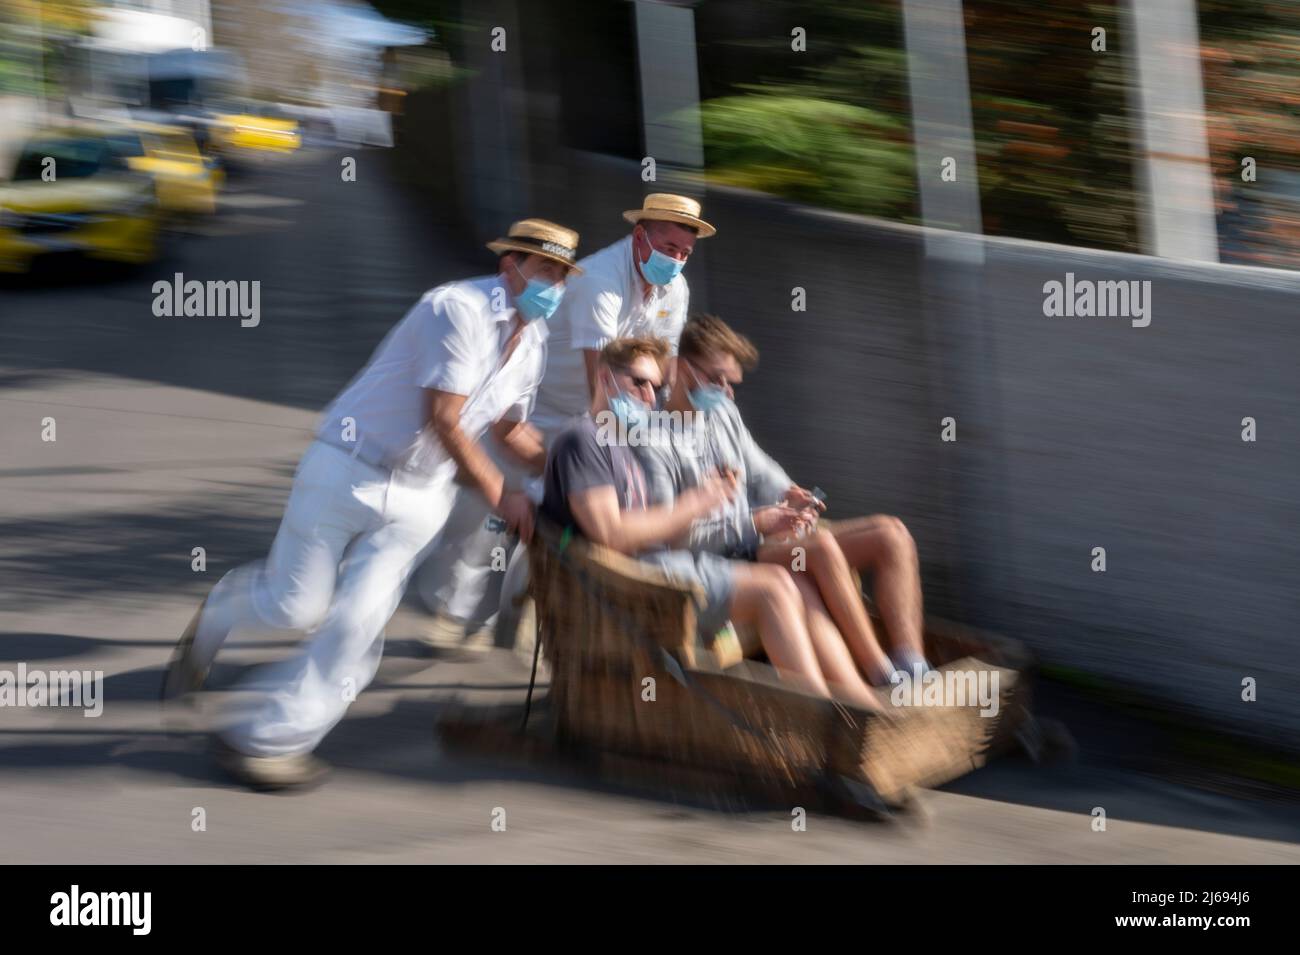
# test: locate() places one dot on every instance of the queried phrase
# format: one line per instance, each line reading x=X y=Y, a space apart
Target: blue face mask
x=629 y=412
x=705 y=396
x=538 y=300
x=661 y=269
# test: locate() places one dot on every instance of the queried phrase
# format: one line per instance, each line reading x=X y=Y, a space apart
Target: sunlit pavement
x=174 y=434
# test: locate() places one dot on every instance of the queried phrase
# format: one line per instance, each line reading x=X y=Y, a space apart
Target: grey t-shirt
x=684 y=461
x=580 y=460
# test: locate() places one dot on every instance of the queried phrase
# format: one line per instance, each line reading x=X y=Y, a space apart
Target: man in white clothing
x=631 y=289
x=377 y=483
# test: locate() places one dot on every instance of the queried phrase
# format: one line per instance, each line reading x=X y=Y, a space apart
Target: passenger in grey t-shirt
x=775 y=520
x=586 y=489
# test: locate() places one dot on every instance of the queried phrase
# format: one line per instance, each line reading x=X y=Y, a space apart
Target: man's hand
x=523 y=442
x=705 y=498
x=798 y=497
x=780 y=519
x=517 y=511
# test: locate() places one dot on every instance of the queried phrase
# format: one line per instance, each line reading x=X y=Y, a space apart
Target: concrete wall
x=1130 y=439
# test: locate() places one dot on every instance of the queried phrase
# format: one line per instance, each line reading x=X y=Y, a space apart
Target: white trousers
x=456 y=576
x=346 y=547
x=461 y=576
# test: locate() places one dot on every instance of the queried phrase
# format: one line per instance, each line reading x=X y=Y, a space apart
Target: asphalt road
x=176 y=433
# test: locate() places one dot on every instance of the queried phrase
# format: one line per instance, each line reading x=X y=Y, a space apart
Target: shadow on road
x=106 y=554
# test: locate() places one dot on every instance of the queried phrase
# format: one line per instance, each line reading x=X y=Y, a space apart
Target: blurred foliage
x=808 y=149
x=1053 y=164
x=32 y=33
x=427 y=66
x=829 y=126
x=1251 y=58
x=450 y=25
x=1052 y=132
x=1054 y=137
x=441 y=61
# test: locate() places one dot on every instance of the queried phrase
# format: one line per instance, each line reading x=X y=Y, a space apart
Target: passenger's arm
x=663 y=481
x=768 y=482
x=778 y=520
x=598 y=516
x=802 y=498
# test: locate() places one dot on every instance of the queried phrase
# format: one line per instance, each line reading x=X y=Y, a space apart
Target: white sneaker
x=443 y=632
x=449 y=635
x=270 y=773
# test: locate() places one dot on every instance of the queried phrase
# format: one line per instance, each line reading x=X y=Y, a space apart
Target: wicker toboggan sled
x=635 y=694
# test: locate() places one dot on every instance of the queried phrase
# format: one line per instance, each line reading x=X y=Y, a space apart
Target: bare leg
x=767 y=598
x=830 y=570
x=832 y=651
x=882 y=545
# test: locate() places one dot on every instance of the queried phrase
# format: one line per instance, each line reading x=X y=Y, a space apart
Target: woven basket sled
x=634 y=691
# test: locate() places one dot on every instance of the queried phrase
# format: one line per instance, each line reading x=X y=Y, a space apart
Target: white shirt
x=604 y=303
x=453 y=339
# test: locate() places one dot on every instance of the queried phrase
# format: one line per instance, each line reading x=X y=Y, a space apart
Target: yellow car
x=76 y=192
x=185 y=181
x=251 y=132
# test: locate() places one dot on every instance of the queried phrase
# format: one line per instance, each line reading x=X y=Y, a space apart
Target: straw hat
x=539 y=237
x=670 y=208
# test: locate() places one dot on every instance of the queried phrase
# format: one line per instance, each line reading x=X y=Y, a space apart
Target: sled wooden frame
x=634 y=692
